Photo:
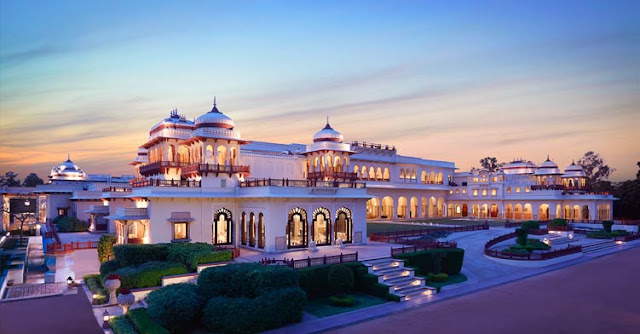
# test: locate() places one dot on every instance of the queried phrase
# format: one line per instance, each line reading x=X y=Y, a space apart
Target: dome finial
x=68 y=156
x=548 y=157
x=215 y=106
x=214 y=101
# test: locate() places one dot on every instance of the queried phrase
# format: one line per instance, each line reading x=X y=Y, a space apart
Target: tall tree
x=596 y=170
x=490 y=164
x=10 y=179
x=638 y=173
x=32 y=180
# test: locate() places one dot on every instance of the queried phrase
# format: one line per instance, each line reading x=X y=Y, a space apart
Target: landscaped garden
x=70 y=224
x=439 y=267
x=376 y=227
x=606 y=232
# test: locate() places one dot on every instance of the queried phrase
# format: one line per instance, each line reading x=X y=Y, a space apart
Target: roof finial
x=214 y=101
x=68 y=156
x=548 y=157
x=327 y=119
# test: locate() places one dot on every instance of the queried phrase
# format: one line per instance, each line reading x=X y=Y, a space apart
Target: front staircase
x=401 y=281
x=599 y=246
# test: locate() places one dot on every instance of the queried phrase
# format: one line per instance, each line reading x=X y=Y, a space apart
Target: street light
x=105 y=319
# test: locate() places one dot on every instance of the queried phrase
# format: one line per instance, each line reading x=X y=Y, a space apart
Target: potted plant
x=112 y=283
x=125 y=299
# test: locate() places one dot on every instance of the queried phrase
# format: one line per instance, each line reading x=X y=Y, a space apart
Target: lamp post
x=105 y=319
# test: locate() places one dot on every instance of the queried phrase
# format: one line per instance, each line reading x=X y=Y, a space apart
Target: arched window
x=297 y=228
x=379 y=173
x=344 y=225
x=261 y=231
x=222 y=223
x=171 y=153
x=222 y=155
x=402 y=173
x=321 y=227
x=423 y=177
x=243 y=228
x=385 y=174
x=252 y=230
x=356 y=170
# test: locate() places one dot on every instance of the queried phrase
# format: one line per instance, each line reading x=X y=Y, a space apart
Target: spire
x=215 y=108
x=328 y=127
x=548 y=157
x=68 y=156
x=214 y=101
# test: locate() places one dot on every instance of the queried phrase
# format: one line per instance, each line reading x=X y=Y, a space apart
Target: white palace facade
x=200 y=181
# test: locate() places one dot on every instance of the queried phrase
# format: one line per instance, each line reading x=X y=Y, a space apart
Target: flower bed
x=98 y=290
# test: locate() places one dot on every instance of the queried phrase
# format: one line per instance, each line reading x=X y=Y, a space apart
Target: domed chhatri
x=574 y=170
x=328 y=134
x=214 y=119
x=548 y=168
x=67 y=170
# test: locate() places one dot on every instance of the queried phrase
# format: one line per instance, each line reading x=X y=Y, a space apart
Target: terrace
x=300 y=183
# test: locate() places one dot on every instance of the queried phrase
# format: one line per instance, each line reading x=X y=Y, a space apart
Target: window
x=457 y=191
x=464 y=191
x=509 y=190
x=484 y=192
x=62 y=211
x=475 y=180
x=517 y=189
x=527 y=189
x=494 y=179
x=450 y=191
x=180 y=231
x=475 y=192
x=494 y=192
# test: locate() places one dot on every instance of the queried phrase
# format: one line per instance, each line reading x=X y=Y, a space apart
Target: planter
x=125 y=300
x=112 y=284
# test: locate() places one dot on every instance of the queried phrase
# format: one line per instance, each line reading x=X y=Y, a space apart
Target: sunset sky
x=444 y=80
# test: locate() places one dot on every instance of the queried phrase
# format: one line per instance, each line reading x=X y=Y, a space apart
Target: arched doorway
x=252 y=230
x=423 y=208
x=402 y=207
x=222 y=223
x=465 y=210
x=494 y=211
x=484 y=211
x=528 y=214
x=372 y=208
x=517 y=210
x=543 y=212
x=344 y=225
x=261 y=231
x=476 y=210
x=413 y=213
x=297 y=228
x=387 y=207
x=440 y=206
x=321 y=227
x=576 y=212
x=585 y=212
x=243 y=228
x=432 y=206
x=509 y=211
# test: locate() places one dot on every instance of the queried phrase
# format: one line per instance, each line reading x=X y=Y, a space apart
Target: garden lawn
x=453 y=279
x=321 y=307
x=374 y=227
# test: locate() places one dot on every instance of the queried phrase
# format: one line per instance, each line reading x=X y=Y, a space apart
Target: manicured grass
x=321 y=307
x=453 y=279
x=374 y=227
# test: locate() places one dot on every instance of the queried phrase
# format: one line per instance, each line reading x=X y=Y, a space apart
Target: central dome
x=328 y=134
x=214 y=119
x=67 y=170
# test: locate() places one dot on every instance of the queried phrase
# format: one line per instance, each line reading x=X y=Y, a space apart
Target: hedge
x=315 y=281
x=558 y=222
x=441 y=277
x=245 y=280
x=133 y=255
x=97 y=287
x=148 y=274
x=251 y=315
x=70 y=224
x=530 y=225
x=423 y=261
x=176 y=307
x=607 y=224
x=122 y=325
x=143 y=322
x=105 y=247
x=109 y=267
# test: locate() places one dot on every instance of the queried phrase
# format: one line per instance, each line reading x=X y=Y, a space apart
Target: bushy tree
x=32 y=180
x=490 y=164
x=522 y=235
x=340 y=279
x=10 y=179
x=596 y=171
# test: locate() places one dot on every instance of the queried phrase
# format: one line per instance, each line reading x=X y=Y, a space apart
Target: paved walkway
x=598 y=296
x=60 y=314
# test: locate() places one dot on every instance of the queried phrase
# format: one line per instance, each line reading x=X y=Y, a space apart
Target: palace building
x=201 y=181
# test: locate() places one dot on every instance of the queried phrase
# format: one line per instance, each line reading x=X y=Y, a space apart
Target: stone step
x=412 y=283
x=560 y=241
x=388 y=270
x=414 y=292
x=400 y=273
x=391 y=264
x=598 y=247
x=378 y=261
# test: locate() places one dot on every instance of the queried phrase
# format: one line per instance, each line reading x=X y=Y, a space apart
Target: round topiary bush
x=340 y=279
x=175 y=306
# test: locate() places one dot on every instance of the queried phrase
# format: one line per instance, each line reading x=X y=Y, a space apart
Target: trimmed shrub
x=192 y=254
x=105 y=247
x=558 y=222
x=452 y=263
x=268 y=278
x=441 y=277
x=122 y=325
x=109 y=267
x=522 y=235
x=175 y=307
x=229 y=280
x=143 y=322
x=97 y=288
x=340 y=279
x=530 y=225
x=148 y=274
x=251 y=315
x=133 y=255
x=607 y=224
x=217 y=256
x=70 y=224
x=345 y=301
x=599 y=235
x=423 y=261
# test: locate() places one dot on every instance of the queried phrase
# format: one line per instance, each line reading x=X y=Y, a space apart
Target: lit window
x=508 y=189
x=475 y=180
x=450 y=191
x=493 y=192
x=475 y=193
x=494 y=179
x=517 y=189
x=457 y=191
x=484 y=192
x=527 y=189
x=464 y=191
x=180 y=231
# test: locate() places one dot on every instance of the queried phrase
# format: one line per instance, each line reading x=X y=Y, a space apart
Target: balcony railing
x=332 y=175
x=116 y=189
x=138 y=183
x=300 y=183
x=373 y=145
x=159 y=167
x=215 y=168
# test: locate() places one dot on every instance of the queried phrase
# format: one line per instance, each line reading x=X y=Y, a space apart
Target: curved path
x=597 y=296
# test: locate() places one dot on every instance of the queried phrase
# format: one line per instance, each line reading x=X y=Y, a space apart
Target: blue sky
x=455 y=80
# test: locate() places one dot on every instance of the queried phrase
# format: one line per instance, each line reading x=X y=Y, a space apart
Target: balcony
x=139 y=183
x=300 y=183
x=373 y=145
x=160 y=167
x=332 y=175
x=116 y=189
x=205 y=169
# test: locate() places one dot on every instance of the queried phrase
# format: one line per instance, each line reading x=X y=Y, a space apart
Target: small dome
x=519 y=167
x=67 y=170
x=548 y=168
x=143 y=151
x=328 y=134
x=574 y=170
x=214 y=119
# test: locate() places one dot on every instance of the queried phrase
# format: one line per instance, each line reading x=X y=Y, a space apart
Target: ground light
x=105 y=319
x=69 y=281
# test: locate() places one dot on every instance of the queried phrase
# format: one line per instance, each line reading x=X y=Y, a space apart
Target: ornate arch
x=321 y=234
x=222 y=227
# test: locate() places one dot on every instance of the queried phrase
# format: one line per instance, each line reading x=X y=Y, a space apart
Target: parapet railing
x=313 y=261
x=399 y=236
x=299 y=183
x=422 y=245
x=137 y=183
x=570 y=249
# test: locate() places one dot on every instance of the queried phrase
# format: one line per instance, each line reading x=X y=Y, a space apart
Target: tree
x=490 y=164
x=10 y=180
x=32 y=180
x=638 y=173
x=596 y=171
